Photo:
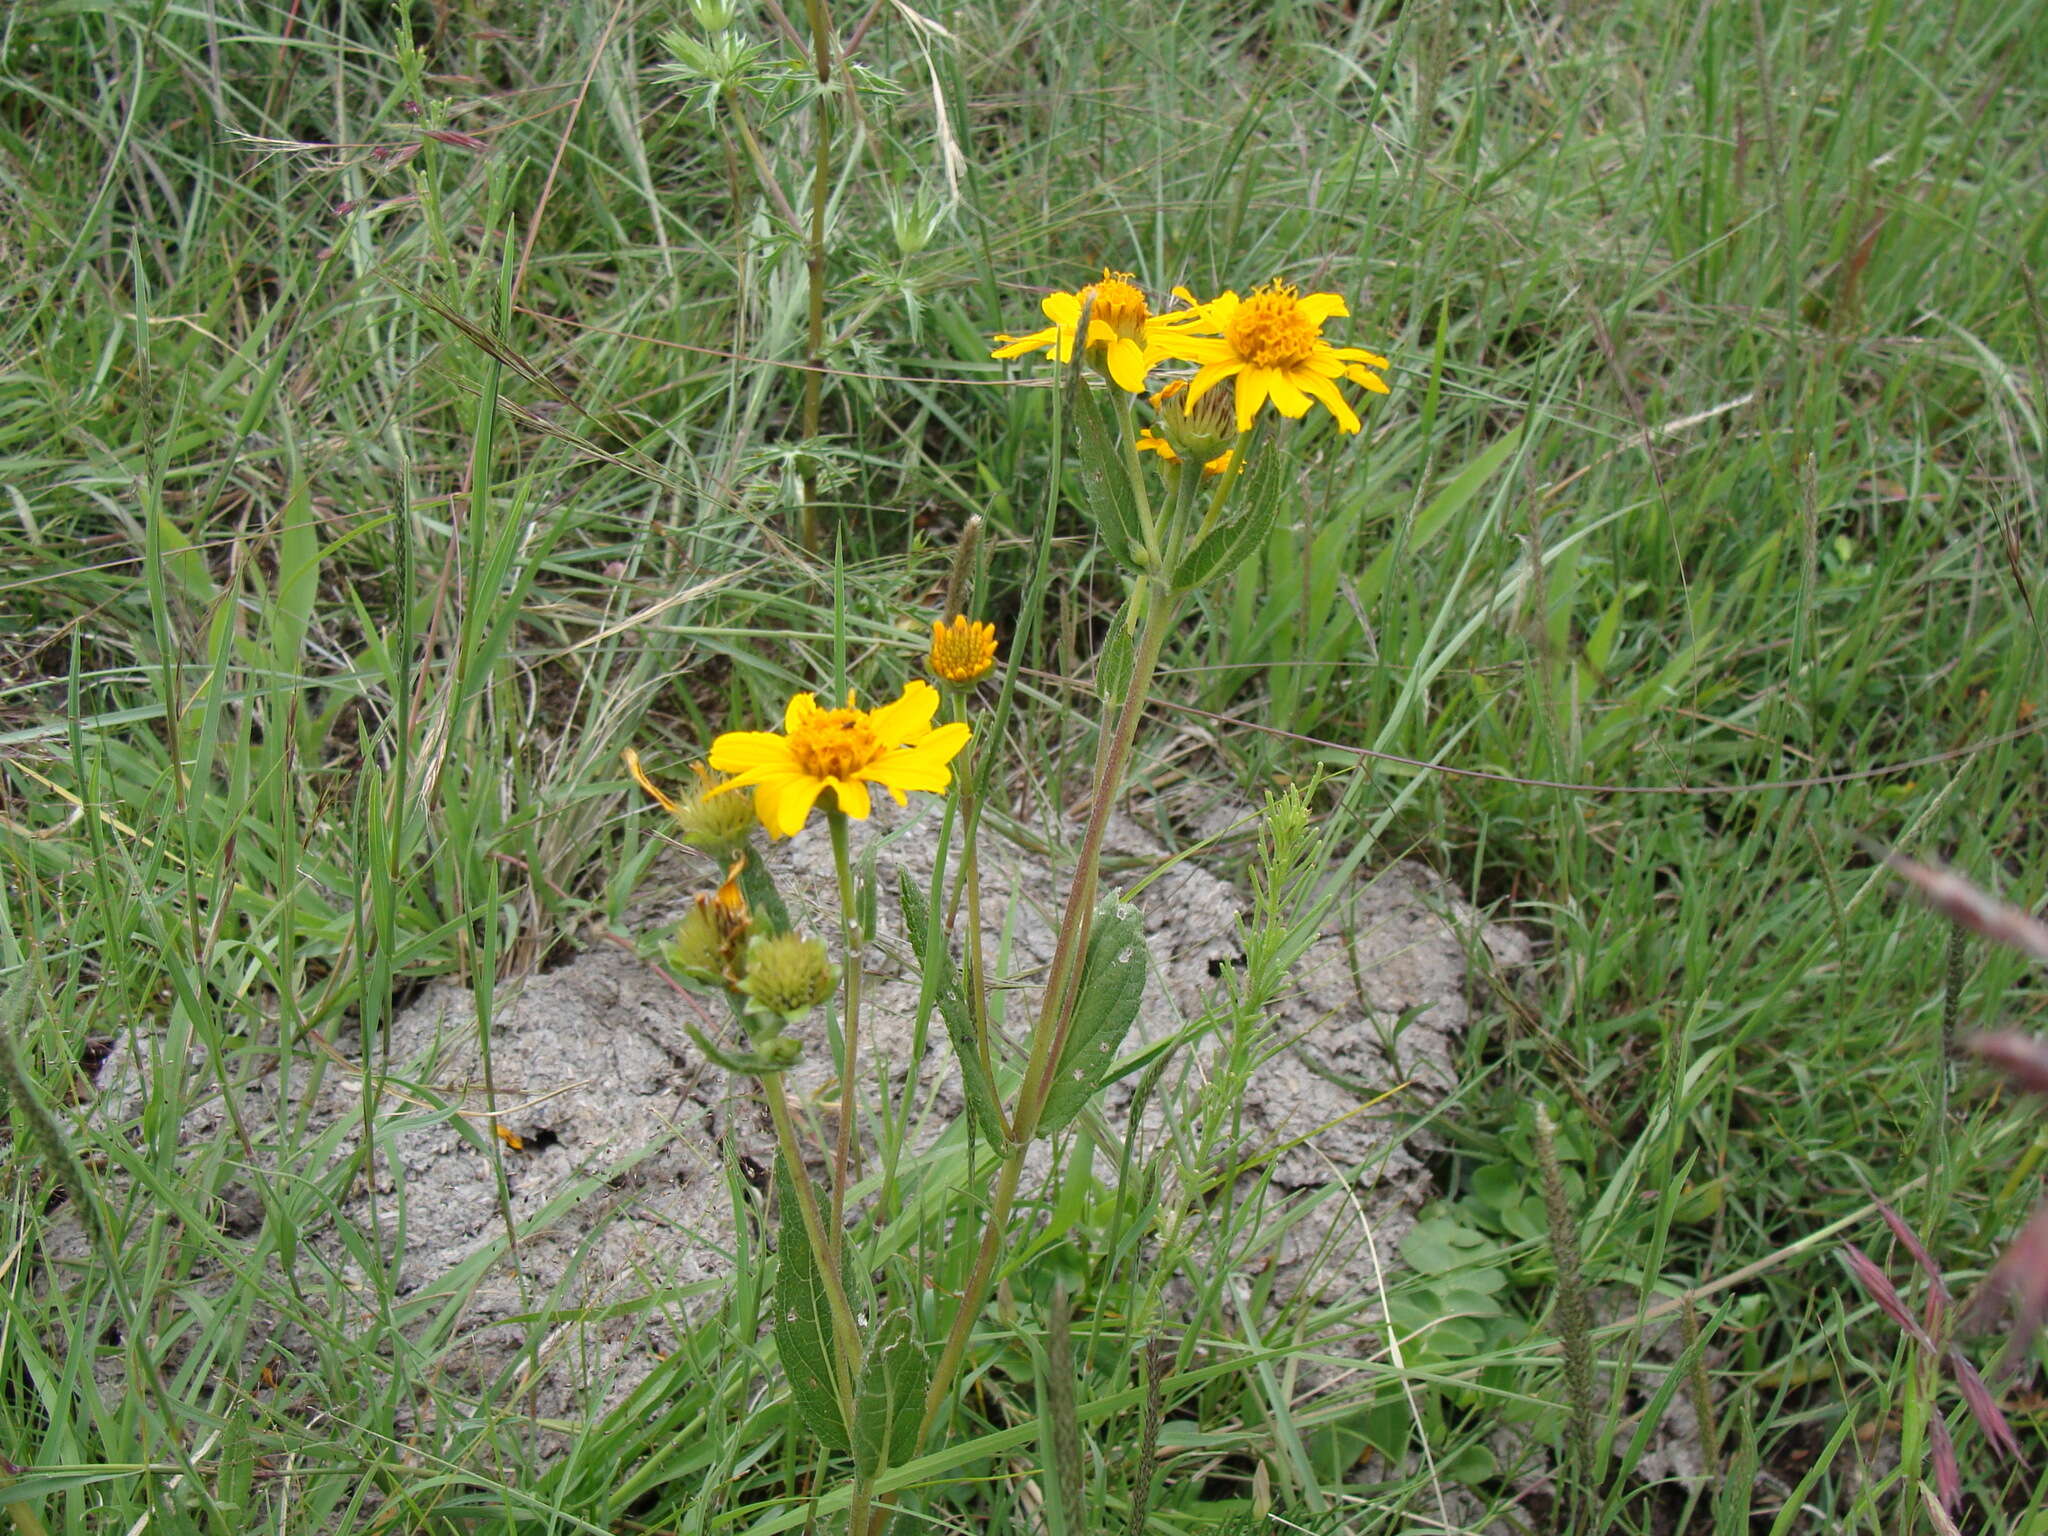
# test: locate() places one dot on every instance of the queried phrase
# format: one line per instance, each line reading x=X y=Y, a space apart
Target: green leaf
x=803 y=1319
x=1224 y=549
x=1112 y=983
x=763 y=899
x=1104 y=476
x=1113 y=667
x=891 y=1398
x=975 y=1086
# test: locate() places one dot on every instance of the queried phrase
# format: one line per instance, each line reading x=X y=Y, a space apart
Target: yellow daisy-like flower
x=1272 y=345
x=962 y=652
x=843 y=750
x=1151 y=442
x=1123 y=333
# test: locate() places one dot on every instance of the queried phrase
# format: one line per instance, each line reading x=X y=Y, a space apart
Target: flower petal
x=1315 y=384
x=922 y=766
x=1017 y=346
x=1127 y=365
x=1062 y=309
x=789 y=803
x=1322 y=306
x=753 y=752
x=640 y=777
x=1361 y=375
x=852 y=796
x=1208 y=379
x=909 y=718
x=1359 y=355
x=1288 y=400
x=803 y=707
x=1252 y=387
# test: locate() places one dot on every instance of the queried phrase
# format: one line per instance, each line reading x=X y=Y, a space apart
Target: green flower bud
x=787 y=976
x=709 y=945
x=697 y=949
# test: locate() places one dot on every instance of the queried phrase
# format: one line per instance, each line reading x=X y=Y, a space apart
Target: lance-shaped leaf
x=763 y=899
x=1113 y=667
x=803 y=1319
x=1112 y=982
x=1225 y=548
x=891 y=1400
x=1106 y=478
x=975 y=1086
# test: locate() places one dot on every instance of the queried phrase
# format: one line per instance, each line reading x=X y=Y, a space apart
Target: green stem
x=1056 y=1008
x=975 y=1292
x=850 y=942
x=1127 y=421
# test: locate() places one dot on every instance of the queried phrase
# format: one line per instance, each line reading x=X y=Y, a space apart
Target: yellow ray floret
x=843 y=750
x=1151 y=442
x=1272 y=346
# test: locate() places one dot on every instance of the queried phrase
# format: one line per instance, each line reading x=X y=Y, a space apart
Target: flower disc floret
x=962 y=652
x=1272 y=346
x=841 y=750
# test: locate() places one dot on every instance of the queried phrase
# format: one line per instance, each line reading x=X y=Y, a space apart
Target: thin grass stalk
x=1154 y=1361
x=814 y=257
x=1067 y=1453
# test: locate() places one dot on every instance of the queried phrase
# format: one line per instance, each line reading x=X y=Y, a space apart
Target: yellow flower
x=962 y=653
x=1151 y=442
x=1123 y=333
x=843 y=750
x=1272 y=345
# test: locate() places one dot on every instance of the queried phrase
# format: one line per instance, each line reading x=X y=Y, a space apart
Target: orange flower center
x=1118 y=305
x=835 y=744
x=1270 y=331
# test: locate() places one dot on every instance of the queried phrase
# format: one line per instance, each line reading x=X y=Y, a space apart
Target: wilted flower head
x=713 y=823
x=710 y=944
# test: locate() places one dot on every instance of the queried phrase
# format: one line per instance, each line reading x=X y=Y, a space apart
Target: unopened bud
x=787 y=976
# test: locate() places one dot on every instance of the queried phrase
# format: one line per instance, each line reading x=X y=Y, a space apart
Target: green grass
x=344 y=551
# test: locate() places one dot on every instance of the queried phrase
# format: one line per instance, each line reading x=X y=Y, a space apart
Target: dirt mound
x=625 y=1154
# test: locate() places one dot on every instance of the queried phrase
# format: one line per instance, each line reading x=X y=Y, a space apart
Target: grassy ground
x=392 y=433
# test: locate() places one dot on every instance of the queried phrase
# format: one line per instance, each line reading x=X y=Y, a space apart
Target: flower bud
x=962 y=653
x=1200 y=431
x=787 y=976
